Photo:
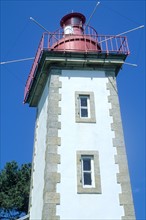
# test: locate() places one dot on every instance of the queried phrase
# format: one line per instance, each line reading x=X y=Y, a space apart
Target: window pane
x=87 y=178
x=84 y=112
x=86 y=164
x=84 y=101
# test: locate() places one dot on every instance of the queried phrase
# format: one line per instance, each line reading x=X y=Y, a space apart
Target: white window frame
x=91 y=172
x=95 y=188
x=85 y=107
x=90 y=107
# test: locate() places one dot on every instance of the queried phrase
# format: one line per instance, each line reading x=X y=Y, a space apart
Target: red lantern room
x=76 y=35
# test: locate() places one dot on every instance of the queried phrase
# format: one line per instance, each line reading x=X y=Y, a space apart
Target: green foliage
x=14 y=190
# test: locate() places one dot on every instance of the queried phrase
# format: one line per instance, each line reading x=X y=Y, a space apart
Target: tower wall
x=38 y=164
x=76 y=137
x=60 y=138
x=125 y=197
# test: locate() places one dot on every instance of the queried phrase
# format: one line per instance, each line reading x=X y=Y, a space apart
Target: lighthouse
x=79 y=168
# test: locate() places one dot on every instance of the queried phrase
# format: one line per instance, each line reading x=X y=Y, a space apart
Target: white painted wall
x=39 y=158
x=86 y=136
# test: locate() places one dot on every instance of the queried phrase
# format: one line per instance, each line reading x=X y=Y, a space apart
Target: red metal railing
x=108 y=45
x=33 y=68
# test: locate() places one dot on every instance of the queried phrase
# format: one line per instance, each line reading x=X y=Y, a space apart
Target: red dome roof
x=73 y=18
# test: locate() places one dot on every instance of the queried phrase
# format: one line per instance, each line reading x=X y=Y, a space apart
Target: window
x=85 y=107
x=68 y=30
x=88 y=172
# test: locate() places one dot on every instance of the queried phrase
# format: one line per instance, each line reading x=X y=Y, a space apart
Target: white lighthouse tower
x=80 y=169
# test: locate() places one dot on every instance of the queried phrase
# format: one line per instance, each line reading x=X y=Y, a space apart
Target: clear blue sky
x=20 y=38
